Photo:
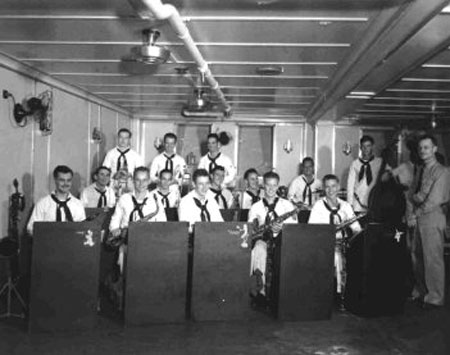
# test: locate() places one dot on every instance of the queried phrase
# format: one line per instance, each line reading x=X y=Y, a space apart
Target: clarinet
x=260 y=232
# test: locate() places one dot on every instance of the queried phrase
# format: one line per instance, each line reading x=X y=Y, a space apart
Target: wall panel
x=324 y=149
x=16 y=146
x=342 y=161
x=69 y=141
x=287 y=164
x=109 y=129
x=150 y=130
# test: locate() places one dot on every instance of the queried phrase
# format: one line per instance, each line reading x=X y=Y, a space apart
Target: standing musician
x=167 y=197
x=253 y=193
x=305 y=187
x=332 y=210
x=199 y=205
x=215 y=157
x=222 y=195
x=265 y=211
x=426 y=217
x=99 y=194
x=60 y=205
x=122 y=156
x=168 y=160
x=363 y=175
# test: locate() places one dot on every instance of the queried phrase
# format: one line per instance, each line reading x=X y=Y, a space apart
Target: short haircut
x=271 y=175
x=213 y=135
x=330 y=177
x=311 y=160
x=250 y=171
x=216 y=168
x=198 y=173
x=141 y=169
x=170 y=135
x=62 y=169
x=430 y=137
x=366 y=138
x=124 y=130
x=102 y=168
x=165 y=171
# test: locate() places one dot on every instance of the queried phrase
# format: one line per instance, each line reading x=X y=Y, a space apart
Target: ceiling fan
x=149 y=52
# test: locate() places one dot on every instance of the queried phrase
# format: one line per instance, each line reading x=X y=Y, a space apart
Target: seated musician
x=134 y=206
x=253 y=193
x=305 y=187
x=60 y=205
x=222 y=195
x=99 y=194
x=265 y=211
x=167 y=196
x=332 y=210
x=199 y=205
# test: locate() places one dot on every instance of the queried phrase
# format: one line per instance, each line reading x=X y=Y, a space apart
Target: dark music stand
x=306 y=272
x=65 y=275
x=230 y=214
x=172 y=214
x=221 y=273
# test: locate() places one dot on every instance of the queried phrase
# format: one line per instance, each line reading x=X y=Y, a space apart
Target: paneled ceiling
x=370 y=61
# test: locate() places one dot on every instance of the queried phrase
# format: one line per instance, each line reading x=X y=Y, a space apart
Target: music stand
x=9 y=251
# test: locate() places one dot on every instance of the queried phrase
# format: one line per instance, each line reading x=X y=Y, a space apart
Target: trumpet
x=122 y=238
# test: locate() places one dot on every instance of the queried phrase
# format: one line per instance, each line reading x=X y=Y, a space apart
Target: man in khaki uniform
x=426 y=216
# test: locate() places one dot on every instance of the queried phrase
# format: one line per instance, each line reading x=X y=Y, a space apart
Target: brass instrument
x=260 y=232
x=122 y=238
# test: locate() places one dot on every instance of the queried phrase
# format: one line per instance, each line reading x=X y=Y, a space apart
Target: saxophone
x=259 y=232
x=122 y=238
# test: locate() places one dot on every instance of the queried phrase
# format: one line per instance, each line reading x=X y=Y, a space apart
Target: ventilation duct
x=154 y=9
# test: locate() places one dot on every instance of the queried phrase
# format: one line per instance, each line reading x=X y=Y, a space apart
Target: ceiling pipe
x=156 y=9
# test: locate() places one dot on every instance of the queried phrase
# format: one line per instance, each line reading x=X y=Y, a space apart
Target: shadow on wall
x=324 y=160
x=344 y=175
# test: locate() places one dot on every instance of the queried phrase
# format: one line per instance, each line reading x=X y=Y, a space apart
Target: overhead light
x=358 y=97
x=362 y=93
x=270 y=70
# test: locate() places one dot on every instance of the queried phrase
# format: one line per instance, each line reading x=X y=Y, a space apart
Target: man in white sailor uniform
x=332 y=210
x=168 y=160
x=123 y=157
x=222 y=195
x=305 y=188
x=99 y=194
x=167 y=197
x=363 y=175
x=215 y=157
x=199 y=205
x=134 y=206
x=265 y=211
x=60 y=205
x=252 y=193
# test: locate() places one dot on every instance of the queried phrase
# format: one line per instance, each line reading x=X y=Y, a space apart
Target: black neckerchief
x=333 y=213
x=169 y=162
x=122 y=162
x=164 y=199
x=219 y=196
x=366 y=170
x=102 y=199
x=204 y=214
x=307 y=192
x=62 y=205
x=271 y=214
x=212 y=162
x=137 y=209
